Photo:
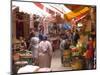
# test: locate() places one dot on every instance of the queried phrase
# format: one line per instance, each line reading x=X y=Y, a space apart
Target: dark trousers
x=89 y=63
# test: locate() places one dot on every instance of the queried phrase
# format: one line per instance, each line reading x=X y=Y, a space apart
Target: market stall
x=63 y=28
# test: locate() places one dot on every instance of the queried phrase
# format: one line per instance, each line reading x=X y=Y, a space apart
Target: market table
x=26 y=57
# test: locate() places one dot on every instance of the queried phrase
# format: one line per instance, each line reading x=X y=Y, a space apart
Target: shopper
x=62 y=47
x=89 y=54
x=22 y=43
x=75 y=37
x=31 y=34
x=34 y=46
x=45 y=53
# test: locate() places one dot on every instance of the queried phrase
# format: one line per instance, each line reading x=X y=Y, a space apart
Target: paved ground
x=56 y=64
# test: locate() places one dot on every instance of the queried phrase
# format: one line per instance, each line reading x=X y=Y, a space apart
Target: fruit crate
x=66 y=58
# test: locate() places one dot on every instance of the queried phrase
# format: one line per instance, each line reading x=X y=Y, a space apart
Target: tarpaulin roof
x=30 y=8
x=77 y=14
x=40 y=8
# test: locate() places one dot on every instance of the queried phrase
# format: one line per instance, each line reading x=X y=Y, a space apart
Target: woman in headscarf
x=34 y=45
x=45 y=53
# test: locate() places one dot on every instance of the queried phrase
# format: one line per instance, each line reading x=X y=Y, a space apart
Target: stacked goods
x=79 y=49
x=66 y=58
x=75 y=51
x=66 y=52
x=76 y=63
x=20 y=64
x=16 y=57
x=77 y=58
x=26 y=56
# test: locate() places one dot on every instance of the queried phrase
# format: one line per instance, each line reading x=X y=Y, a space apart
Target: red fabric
x=89 y=54
x=90 y=45
x=39 y=5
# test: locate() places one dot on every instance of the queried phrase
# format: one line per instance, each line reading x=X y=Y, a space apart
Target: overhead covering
x=42 y=9
x=76 y=15
x=30 y=8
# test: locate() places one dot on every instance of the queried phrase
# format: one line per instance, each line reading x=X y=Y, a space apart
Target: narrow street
x=56 y=64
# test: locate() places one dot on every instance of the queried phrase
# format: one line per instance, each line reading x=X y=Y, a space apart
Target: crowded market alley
x=49 y=37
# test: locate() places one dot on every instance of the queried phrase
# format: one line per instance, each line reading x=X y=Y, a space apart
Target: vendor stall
x=66 y=58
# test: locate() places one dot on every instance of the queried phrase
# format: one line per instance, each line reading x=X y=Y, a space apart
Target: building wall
x=25 y=20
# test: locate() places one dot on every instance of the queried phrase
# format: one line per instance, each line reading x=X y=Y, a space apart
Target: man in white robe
x=45 y=53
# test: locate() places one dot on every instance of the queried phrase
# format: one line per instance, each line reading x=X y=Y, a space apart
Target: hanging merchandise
x=66 y=27
x=79 y=25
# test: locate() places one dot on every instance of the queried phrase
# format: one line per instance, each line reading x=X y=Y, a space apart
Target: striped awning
x=42 y=9
x=77 y=15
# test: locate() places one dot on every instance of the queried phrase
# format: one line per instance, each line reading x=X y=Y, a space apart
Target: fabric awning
x=76 y=15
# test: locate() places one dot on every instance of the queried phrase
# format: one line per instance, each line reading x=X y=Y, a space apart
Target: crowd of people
x=40 y=43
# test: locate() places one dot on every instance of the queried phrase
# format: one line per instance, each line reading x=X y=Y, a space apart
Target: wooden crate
x=66 y=58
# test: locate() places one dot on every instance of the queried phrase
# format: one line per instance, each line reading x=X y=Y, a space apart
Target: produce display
x=66 y=57
x=72 y=56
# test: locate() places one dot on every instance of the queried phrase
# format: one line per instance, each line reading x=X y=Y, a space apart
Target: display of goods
x=22 y=51
x=25 y=51
x=16 y=57
x=75 y=53
x=66 y=58
x=21 y=62
x=76 y=64
x=78 y=51
x=28 y=59
x=67 y=64
x=66 y=52
x=74 y=49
